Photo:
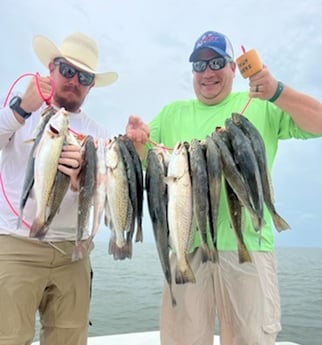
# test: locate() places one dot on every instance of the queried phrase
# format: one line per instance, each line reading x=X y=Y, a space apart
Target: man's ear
x=233 y=66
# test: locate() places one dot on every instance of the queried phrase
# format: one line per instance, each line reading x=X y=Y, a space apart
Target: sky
x=148 y=44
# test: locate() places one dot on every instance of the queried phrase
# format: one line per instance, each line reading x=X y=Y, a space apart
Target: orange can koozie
x=249 y=63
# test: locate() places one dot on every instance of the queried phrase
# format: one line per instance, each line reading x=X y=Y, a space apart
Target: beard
x=70 y=104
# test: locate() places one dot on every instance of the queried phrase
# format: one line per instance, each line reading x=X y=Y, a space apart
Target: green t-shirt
x=185 y=120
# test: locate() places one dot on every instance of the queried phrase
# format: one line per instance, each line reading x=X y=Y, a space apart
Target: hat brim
x=219 y=51
x=46 y=52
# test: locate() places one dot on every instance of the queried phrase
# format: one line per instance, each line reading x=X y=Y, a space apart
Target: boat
x=141 y=338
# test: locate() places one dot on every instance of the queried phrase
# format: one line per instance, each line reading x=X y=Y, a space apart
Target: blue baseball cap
x=215 y=41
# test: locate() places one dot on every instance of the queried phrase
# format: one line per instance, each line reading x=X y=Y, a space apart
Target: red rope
x=47 y=100
x=246 y=105
x=10 y=204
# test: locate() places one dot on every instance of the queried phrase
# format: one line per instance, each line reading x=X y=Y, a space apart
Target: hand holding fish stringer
x=48 y=99
x=14 y=211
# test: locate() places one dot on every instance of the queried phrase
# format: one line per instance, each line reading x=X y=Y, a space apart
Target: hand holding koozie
x=249 y=63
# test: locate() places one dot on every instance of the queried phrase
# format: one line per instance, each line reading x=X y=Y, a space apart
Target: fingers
x=137 y=130
x=262 y=84
x=70 y=158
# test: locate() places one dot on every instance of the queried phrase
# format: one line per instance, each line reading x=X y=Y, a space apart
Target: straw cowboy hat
x=79 y=49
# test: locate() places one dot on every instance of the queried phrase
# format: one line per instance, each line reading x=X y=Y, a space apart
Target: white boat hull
x=142 y=338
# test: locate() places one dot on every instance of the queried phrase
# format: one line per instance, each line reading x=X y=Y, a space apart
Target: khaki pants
x=245 y=297
x=35 y=276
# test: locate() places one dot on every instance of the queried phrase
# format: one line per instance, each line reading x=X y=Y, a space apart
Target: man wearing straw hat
x=244 y=297
x=40 y=274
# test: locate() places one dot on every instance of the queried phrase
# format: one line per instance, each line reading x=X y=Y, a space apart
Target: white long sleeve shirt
x=15 y=151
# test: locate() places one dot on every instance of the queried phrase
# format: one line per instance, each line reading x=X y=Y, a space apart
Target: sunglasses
x=215 y=64
x=69 y=71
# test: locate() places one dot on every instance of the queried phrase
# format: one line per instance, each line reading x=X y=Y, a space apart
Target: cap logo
x=205 y=39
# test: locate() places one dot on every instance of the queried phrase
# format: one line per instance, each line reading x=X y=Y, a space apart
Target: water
x=300 y=277
x=126 y=294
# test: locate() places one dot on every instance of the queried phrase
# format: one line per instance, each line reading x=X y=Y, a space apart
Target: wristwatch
x=15 y=105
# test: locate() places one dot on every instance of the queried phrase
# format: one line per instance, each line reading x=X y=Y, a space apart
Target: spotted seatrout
x=260 y=153
x=245 y=159
x=87 y=180
x=180 y=211
x=157 y=198
x=118 y=208
x=47 y=154
x=200 y=192
x=29 y=174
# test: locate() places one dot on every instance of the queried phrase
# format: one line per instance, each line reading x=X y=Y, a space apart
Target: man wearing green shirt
x=244 y=297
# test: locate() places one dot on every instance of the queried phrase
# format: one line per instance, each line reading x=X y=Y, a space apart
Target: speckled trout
x=245 y=159
x=234 y=178
x=214 y=173
x=200 y=200
x=156 y=189
x=99 y=198
x=47 y=154
x=180 y=211
x=260 y=153
x=29 y=174
x=119 y=210
x=87 y=179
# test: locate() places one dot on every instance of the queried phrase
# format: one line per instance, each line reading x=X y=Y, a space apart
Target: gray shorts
x=35 y=276
x=244 y=297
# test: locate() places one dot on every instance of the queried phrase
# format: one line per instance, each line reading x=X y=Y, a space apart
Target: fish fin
x=243 y=253
x=214 y=256
x=78 y=252
x=279 y=223
x=41 y=233
x=184 y=276
x=173 y=300
x=256 y=221
x=19 y=221
x=213 y=253
x=31 y=140
x=205 y=253
x=120 y=253
x=89 y=240
x=139 y=234
x=36 y=227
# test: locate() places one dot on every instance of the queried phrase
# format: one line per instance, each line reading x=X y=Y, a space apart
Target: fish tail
x=184 y=275
x=205 y=253
x=36 y=227
x=41 y=233
x=173 y=300
x=243 y=253
x=213 y=252
x=214 y=255
x=139 y=234
x=120 y=253
x=256 y=221
x=19 y=222
x=20 y=218
x=280 y=223
x=89 y=240
x=78 y=252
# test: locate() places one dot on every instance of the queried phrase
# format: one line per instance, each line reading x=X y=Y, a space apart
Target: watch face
x=16 y=100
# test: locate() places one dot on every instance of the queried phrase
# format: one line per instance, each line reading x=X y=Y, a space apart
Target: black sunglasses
x=215 y=64
x=69 y=71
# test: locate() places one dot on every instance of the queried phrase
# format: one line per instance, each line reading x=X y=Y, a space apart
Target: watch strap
x=15 y=105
